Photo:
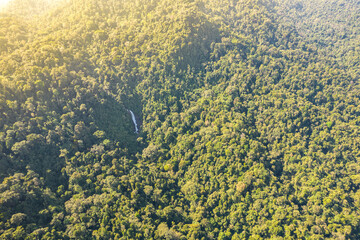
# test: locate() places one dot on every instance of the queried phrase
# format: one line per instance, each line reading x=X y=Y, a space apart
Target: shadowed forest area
x=248 y=114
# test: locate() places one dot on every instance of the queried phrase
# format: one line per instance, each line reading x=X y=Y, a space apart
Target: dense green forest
x=249 y=117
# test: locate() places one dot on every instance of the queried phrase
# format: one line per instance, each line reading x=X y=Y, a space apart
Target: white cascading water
x=134 y=121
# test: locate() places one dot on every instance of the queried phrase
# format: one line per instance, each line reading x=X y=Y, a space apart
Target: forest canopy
x=248 y=114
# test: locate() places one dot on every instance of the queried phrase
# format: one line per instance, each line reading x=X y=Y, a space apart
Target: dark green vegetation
x=249 y=112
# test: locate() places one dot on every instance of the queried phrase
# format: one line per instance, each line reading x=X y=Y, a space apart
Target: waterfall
x=134 y=121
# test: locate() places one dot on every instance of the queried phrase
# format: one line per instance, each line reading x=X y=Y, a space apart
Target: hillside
x=249 y=116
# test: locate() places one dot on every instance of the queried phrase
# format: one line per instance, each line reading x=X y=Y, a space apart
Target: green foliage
x=249 y=117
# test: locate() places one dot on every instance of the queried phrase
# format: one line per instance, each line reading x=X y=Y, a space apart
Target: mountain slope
x=248 y=129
